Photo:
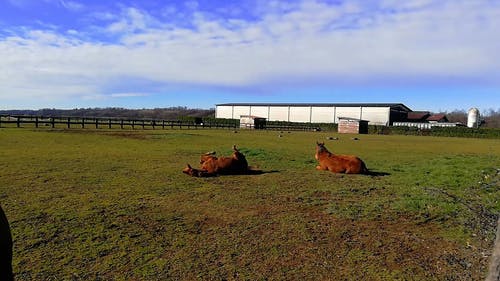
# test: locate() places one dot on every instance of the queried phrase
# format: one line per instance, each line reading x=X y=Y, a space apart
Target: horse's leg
x=321 y=168
x=336 y=169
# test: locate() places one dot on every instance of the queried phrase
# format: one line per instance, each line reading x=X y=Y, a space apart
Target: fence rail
x=130 y=123
x=106 y=122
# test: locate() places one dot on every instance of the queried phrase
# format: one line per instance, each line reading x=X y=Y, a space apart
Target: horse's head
x=320 y=148
x=188 y=170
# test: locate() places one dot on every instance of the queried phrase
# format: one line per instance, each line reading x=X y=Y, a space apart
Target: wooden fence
x=125 y=123
x=106 y=122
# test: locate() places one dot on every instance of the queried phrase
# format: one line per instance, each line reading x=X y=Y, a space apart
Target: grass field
x=114 y=205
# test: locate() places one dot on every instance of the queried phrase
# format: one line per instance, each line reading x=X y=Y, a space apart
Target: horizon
x=430 y=55
x=487 y=112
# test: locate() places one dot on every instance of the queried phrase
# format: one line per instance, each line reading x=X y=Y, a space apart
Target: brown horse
x=5 y=248
x=212 y=165
x=348 y=164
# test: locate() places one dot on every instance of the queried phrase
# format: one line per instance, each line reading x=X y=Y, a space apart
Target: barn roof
x=352 y=119
x=418 y=115
x=438 y=118
x=398 y=106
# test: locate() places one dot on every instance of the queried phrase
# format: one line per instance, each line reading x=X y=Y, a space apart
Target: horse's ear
x=234 y=147
x=189 y=166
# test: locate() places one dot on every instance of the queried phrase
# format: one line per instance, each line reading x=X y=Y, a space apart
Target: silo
x=473 y=118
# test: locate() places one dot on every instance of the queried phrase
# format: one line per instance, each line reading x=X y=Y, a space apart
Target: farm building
x=252 y=122
x=374 y=113
x=426 y=116
x=352 y=126
x=426 y=120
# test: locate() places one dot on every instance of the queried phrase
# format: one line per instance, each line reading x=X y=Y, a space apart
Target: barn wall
x=246 y=122
x=240 y=110
x=300 y=114
x=323 y=114
x=260 y=111
x=319 y=114
x=278 y=113
x=376 y=115
x=224 y=112
x=348 y=112
x=348 y=127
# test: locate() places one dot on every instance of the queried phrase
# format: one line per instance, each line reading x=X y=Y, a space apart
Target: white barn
x=375 y=113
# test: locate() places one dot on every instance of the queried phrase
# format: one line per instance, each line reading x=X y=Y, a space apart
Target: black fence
x=108 y=122
x=22 y=121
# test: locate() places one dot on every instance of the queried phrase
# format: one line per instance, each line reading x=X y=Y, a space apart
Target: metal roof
x=391 y=105
x=437 y=117
x=418 y=115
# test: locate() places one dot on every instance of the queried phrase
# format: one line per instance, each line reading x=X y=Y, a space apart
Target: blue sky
x=436 y=55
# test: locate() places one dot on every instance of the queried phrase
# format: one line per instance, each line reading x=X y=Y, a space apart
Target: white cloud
x=128 y=95
x=72 y=5
x=308 y=39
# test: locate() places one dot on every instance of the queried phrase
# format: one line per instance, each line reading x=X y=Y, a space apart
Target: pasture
x=114 y=205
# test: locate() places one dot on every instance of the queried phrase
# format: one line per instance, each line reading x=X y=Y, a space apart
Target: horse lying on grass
x=348 y=164
x=211 y=165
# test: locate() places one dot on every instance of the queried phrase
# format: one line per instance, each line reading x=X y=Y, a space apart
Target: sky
x=436 y=55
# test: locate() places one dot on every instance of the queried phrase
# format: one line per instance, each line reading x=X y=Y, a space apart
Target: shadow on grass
x=377 y=174
x=258 y=172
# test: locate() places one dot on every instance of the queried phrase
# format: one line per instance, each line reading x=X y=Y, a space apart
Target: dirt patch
x=129 y=135
x=283 y=241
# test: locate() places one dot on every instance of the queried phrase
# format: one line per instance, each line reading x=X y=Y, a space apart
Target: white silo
x=473 y=118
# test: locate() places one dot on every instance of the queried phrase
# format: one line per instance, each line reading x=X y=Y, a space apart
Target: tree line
x=169 y=113
x=490 y=118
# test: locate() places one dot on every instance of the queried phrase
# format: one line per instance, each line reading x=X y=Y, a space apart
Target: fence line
x=123 y=123
x=99 y=122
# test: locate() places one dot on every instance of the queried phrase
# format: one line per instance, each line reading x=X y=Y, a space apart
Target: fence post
x=143 y=124
x=121 y=124
x=36 y=122
x=18 y=121
x=83 y=123
x=133 y=124
x=69 y=122
x=163 y=124
x=52 y=122
x=109 y=123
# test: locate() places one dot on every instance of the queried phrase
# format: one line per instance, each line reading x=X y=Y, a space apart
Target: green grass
x=114 y=205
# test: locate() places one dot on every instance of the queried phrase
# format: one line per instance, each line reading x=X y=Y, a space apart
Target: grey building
x=374 y=113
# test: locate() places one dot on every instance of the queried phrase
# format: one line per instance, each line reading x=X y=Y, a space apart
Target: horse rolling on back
x=212 y=165
x=236 y=163
x=348 y=164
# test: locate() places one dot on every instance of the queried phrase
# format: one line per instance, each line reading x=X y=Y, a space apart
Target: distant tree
x=170 y=113
x=457 y=116
x=491 y=118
